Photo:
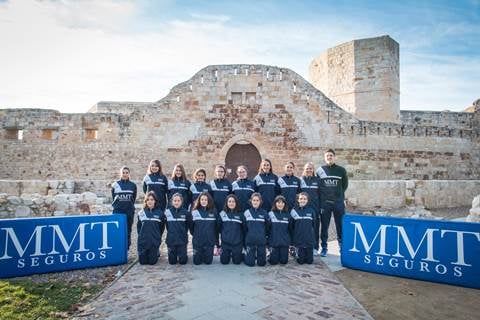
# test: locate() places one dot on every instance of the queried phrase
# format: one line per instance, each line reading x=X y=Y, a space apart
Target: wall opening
x=242 y=153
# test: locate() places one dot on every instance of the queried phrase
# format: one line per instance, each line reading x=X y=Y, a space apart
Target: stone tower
x=362 y=77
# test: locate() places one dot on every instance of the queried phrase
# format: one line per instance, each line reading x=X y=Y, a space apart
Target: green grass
x=24 y=299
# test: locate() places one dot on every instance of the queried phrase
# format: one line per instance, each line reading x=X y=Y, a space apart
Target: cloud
x=82 y=52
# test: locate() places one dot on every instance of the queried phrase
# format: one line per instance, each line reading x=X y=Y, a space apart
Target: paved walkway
x=226 y=292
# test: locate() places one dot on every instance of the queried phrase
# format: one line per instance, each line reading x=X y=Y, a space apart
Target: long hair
x=200 y=170
x=237 y=206
x=304 y=173
x=260 y=170
x=179 y=165
x=150 y=194
x=210 y=204
x=124 y=168
x=274 y=204
x=158 y=164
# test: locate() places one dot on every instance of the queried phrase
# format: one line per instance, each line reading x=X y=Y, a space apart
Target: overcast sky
x=68 y=55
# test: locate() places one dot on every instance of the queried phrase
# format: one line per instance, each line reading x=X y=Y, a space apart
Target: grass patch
x=24 y=299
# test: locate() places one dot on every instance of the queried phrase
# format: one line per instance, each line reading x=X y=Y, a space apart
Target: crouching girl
x=177 y=219
x=204 y=229
x=303 y=229
x=279 y=238
x=230 y=225
x=151 y=228
x=255 y=225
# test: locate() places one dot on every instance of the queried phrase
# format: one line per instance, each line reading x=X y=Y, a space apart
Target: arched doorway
x=242 y=153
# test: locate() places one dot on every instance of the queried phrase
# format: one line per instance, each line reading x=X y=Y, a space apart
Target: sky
x=69 y=55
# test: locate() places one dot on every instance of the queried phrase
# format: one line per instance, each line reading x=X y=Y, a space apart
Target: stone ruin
x=395 y=158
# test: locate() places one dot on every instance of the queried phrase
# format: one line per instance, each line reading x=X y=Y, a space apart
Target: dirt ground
x=387 y=298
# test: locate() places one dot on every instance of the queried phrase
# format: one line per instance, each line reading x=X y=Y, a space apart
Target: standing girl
x=255 y=223
x=303 y=234
x=155 y=181
x=199 y=185
x=204 y=229
x=289 y=184
x=151 y=228
x=310 y=183
x=177 y=220
x=243 y=188
x=266 y=184
x=179 y=184
x=221 y=187
x=124 y=194
x=281 y=224
x=230 y=226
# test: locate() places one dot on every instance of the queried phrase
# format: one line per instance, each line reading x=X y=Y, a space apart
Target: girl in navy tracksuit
x=199 y=185
x=310 y=183
x=255 y=223
x=155 y=181
x=266 y=184
x=303 y=234
x=289 y=184
x=204 y=229
x=179 y=183
x=230 y=225
x=177 y=220
x=221 y=187
x=124 y=194
x=151 y=228
x=279 y=234
x=243 y=188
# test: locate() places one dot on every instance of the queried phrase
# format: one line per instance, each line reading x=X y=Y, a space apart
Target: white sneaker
x=316 y=252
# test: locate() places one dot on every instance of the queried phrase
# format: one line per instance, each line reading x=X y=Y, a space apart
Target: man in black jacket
x=334 y=183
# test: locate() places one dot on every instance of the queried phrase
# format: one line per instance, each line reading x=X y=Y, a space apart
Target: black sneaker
x=324 y=252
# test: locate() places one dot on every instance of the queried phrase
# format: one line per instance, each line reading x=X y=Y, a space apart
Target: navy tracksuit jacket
x=221 y=188
x=303 y=235
x=289 y=187
x=255 y=223
x=198 y=187
x=231 y=230
x=177 y=222
x=266 y=184
x=243 y=189
x=157 y=183
x=204 y=229
x=311 y=185
x=124 y=194
x=150 y=235
x=180 y=186
x=279 y=236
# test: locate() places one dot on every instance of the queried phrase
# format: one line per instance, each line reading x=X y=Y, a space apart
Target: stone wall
x=361 y=76
x=361 y=194
x=275 y=109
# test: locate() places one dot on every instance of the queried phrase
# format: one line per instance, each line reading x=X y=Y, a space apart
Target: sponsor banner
x=431 y=250
x=40 y=245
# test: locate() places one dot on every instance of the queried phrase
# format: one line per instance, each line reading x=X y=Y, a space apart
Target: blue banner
x=40 y=245
x=431 y=250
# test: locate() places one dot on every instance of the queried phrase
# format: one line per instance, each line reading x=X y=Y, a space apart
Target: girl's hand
x=217 y=251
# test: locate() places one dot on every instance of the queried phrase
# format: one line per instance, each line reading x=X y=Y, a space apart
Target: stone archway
x=242 y=153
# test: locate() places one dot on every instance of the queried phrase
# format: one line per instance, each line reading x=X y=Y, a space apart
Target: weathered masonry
x=230 y=112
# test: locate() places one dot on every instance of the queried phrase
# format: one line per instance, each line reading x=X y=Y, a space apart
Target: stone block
x=14 y=200
x=22 y=212
x=476 y=202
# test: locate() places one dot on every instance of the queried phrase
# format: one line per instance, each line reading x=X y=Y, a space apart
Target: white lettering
x=401 y=233
x=393 y=263
x=104 y=233
x=20 y=263
x=10 y=233
x=457 y=271
x=90 y=256
x=49 y=260
x=34 y=262
x=67 y=246
x=379 y=261
x=424 y=266
x=460 y=249
x=367 y=246
x=440 y=266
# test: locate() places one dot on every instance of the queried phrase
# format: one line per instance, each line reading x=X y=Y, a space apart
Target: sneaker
x=316 y=252
x=324 y=252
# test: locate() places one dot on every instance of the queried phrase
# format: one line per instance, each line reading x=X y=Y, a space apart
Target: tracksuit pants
x=202 y=255
x=304 y=255
x=231 y=252
x=278 y=255
x=338 y=210
x=177 y=254
x=256 y=253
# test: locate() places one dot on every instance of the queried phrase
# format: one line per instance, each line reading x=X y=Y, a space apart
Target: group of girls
x=240 y=220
